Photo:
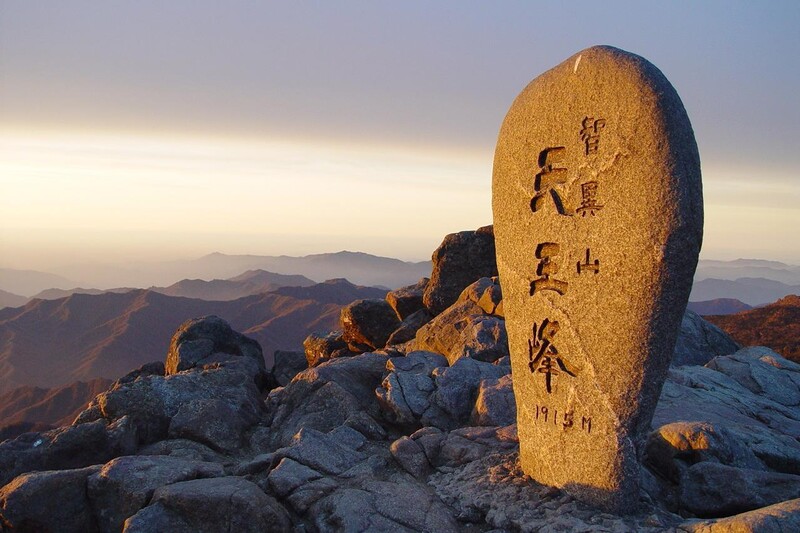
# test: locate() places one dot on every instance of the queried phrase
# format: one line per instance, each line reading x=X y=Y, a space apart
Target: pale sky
x=164 y=130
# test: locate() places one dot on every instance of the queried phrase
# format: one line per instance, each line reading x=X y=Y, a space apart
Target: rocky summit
x=414 y=436
x=598 y=214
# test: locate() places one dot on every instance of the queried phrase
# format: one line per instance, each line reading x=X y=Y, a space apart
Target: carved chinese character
x=589 y=199
x=588 y=264
x=547 y=360
x=549 y=177
x=590 y=134
x=546 y=268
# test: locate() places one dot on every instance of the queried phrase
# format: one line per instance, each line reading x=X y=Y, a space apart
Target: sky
x=154 y=130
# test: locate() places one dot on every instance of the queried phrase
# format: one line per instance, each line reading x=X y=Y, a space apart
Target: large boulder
x=210 y=505
x=673 y=448
x=411 y=457
x=67 y=447
x=495 y=405
x=465 y=329
x=699 y=341
x=314 y=464
x=183 y=449
x=409 y=327
x=210 y=421
x=457 y=386
x=421 y=390
x=287 y=365
x=407 y=300
x=752 y=394
x=48 y=502
x=321 y=348
x=322 y=452
x=340 y=391
x=430 y=448
x=209 y=339
x=289 y=475
x=755 y=367
x=155 y=368
x=715 y=490
x=368 y=323
x=461 y=259
x=463 y=446
x=126 y=484
x=383 y=506
x=780 y=517
x=152 y=401
x=405 y=393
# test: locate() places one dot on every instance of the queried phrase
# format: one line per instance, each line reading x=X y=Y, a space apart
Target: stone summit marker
x=598 y=220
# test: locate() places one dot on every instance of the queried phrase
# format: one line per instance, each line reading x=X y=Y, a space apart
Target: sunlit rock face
x=461 y=259
x=598 y=218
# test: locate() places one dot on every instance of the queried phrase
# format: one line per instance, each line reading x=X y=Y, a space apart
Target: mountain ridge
x=359 y=267
x=53 y=407
x=776 y=326
x=108 y=334
x=752 y=291
x=719 y=306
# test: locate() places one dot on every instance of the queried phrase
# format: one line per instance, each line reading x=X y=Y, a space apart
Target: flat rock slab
x=598 y=218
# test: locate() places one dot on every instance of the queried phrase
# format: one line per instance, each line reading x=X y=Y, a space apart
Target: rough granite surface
x=598 y=218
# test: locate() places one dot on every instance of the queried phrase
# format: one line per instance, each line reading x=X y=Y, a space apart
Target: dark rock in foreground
x=700 y=341
x=126 y=484
x=206 y=340
x=48 y=501
x=210 y=505
x=287 y=365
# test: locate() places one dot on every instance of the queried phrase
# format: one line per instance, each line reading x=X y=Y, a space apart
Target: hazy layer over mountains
x=359 y=268
x=748 y=268
x=751 y=281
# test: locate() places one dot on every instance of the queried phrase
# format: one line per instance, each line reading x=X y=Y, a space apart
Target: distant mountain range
x=720 y=306
x=752 y=281
x=360 y=268
x=748 y=268
x=49 y=343
x=751 y=291
x=8 y=299
x=247 y=284
x=55 y=294
x=26 y=283
x=776 y=326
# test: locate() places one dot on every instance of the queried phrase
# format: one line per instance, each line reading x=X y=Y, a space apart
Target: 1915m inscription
x=564 y=419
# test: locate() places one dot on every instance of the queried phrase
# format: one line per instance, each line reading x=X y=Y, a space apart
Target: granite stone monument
x=598 y=219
